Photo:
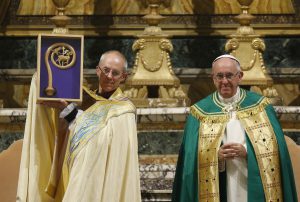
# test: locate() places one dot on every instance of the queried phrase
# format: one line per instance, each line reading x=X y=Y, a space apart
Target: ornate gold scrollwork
x=63 y=56
x=138 y=45
x=165 y=47
x=137 y=92
x=257 y=45
x=248 y=48
x=171 y=92
x=231 y=44
x=152 y=67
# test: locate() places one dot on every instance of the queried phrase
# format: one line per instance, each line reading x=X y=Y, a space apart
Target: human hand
x=61 y=104
x=232 y=150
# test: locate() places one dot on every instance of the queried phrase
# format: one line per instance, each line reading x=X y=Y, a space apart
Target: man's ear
x=98 y=71
x=241 y=75
x=124 y=77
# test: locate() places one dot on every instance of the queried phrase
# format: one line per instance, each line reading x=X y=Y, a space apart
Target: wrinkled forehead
x=225 y=65
x=112 y=61
x=227 y=56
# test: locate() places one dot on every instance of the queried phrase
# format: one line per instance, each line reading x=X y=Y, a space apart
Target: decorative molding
x=183 y=72
x=169 y=29
x=139 y=7
x=132 y=25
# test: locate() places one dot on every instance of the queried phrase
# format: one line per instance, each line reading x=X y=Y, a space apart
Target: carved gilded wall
x=198 y=29
x=123 y=17
x=135 y=7
x=197 y=39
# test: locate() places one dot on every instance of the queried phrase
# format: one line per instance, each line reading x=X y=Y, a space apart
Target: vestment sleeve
x=185 y=187
x=41 y=131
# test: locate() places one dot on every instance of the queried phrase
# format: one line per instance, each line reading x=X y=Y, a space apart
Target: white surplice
x=236 y=169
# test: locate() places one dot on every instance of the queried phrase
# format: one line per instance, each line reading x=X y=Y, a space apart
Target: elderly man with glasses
x=233 y=147
x=98 y=158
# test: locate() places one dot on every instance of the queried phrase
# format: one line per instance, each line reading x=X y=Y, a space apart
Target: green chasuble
x=270 y=174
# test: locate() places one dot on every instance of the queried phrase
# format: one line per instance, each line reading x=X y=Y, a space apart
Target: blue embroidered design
x=89 y=123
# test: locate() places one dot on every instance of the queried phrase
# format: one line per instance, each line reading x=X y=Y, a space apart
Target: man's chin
x=226 y=93
x=108 y=88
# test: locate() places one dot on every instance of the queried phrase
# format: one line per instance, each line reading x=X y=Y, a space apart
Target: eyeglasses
x=115 y=73
x=227 y=76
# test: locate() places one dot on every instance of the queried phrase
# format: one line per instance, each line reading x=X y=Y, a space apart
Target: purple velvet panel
x=65 y=81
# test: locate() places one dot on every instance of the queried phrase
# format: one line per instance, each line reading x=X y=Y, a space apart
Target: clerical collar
x=231 y=100
x=106 y=95
x=230 y=104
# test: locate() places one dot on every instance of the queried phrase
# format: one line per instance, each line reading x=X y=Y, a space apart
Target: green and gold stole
x=258 y=128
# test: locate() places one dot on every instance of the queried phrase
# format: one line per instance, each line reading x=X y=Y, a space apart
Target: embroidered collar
x=117 y=95
x=230 y=104
x=231 y=100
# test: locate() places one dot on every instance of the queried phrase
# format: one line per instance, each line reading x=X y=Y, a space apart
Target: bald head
x=111 y=71
x=115 y=54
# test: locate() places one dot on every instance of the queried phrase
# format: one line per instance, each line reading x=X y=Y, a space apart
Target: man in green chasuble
x=233 y=147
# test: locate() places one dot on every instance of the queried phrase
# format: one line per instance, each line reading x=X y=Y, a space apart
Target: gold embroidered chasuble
x=261 y=135
x=95 y=118
x=99 y=166
x=102 y=156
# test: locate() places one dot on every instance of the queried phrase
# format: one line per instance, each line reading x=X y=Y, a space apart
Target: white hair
x=117 y=53
x=238 y=64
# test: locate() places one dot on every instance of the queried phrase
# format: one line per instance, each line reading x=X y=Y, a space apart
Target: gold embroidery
x=221 y=105
x=263 y=140
x=117 y=95
x=253 y=110
x=258 y=128
x=210 y=136
x=207 y=118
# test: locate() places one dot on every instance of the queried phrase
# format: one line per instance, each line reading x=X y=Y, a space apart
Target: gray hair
x=238 y=64
x=118 y=53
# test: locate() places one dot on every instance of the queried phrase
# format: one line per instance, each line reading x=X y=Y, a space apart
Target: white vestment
x=103 y=152
x=236 y=169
